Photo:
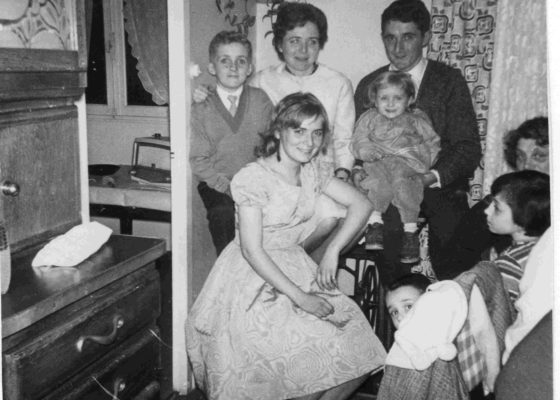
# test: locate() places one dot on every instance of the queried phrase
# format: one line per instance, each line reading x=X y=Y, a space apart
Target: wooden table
x=118 y=196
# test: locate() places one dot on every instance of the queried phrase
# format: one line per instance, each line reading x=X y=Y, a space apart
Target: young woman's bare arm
x=250 y=229
x=359 y=210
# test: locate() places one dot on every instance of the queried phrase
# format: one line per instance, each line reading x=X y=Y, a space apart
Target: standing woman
x=300 y=33
x=269 y=322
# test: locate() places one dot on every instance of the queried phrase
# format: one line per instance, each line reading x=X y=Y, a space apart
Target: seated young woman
x=269 y=322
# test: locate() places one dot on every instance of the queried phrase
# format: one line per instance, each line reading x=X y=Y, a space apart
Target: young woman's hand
x=326 y=273
x=315 y=305
x=358 y=175
x=200 y=94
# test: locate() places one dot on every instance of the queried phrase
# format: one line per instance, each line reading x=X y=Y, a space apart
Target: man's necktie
x=233 y=104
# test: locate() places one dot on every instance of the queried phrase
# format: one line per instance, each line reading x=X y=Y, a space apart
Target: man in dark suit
x=442 y=93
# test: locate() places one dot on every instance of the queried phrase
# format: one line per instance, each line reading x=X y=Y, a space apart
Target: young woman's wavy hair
x=290 y=112
x=528 y=195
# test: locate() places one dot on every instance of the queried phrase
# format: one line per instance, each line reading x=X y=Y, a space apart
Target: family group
x=295 y=168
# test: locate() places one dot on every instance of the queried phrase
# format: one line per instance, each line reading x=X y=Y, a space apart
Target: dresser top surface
x=35 y=293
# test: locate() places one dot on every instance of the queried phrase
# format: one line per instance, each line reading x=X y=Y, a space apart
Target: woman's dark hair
x=390 y=78
x=416 y=280
x=291 y=15
x=290 y=112
x=407 y=11
x=528 y=194
x=535 y=128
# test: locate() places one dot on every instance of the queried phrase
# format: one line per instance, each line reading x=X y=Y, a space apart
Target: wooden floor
x=196 y=395
x=366 y=392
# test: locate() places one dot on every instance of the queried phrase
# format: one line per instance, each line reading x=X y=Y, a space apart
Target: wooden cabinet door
x=39 y=152
x=43 y=63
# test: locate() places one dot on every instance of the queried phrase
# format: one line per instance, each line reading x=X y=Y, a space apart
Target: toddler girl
x=397 y=143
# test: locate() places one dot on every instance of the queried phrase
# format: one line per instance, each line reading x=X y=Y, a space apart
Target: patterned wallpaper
x=463 y=37
x=37 y=24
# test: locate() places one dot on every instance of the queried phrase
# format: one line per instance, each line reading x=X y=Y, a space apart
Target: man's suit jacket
x=445 y=97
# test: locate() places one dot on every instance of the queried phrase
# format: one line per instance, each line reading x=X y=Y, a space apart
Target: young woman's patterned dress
x=245 y=340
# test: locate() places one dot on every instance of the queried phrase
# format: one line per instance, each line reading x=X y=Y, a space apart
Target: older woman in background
x=525 y=148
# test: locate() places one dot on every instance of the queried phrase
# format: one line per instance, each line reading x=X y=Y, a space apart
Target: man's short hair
x=227 y=37
x=407 y=11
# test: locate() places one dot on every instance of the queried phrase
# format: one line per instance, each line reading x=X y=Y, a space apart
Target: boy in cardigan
x=225 y=130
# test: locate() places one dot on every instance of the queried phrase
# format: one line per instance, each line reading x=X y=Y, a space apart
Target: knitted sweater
x=221 y=144
x=332 y=89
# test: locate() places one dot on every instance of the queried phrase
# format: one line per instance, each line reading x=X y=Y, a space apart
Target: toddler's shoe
x=374 y=236
x=410 y=251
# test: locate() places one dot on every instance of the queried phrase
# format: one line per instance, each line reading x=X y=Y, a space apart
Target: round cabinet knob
x=9 y=188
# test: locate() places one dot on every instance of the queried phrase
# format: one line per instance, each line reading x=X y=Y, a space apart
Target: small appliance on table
x=140 y=191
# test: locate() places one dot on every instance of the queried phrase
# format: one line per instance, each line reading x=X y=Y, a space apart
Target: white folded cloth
x=73 y=247
x=428 y=330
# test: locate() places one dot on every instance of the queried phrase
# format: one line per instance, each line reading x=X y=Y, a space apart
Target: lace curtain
x=519 y=86
x=146 y=26
x=463 y=37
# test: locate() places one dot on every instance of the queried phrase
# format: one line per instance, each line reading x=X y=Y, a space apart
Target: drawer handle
x=118 y=387
x=118 y=322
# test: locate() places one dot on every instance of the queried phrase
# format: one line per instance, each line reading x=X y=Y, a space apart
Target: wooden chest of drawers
x=88 y=332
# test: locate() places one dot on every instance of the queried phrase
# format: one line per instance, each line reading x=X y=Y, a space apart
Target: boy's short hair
x=416 y=280
x=528 y=195
x=227 y=37
x=535 y=128
x=290 y=112
x=291 y=15
x=390 y=78
x=407 y=11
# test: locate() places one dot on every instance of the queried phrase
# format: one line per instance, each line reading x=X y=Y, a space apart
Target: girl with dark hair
x=520 y=208
x=269 y=322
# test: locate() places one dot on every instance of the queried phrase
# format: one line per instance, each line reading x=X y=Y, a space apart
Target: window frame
x=115 y=65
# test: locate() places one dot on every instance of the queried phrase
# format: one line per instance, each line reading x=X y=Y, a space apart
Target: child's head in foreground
x=230 y=59
x=392 y=93
x=402 y=293
x=520 y=205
